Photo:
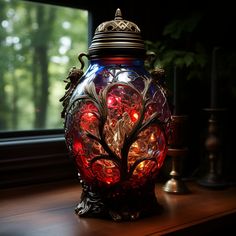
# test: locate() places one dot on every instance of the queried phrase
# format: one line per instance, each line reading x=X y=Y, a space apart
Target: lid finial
x=118 y=15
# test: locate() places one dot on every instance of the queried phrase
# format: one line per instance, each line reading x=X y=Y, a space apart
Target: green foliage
x=177 y=28
x=179 y=48
x=38 y=43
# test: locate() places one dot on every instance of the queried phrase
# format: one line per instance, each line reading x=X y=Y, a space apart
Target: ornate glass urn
x=116 y=125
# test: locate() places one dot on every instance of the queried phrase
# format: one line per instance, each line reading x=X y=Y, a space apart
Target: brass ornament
x=72 y=81
x=118 y=24
x=117 y=37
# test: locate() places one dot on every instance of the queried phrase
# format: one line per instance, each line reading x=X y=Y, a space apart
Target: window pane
x=38 y=45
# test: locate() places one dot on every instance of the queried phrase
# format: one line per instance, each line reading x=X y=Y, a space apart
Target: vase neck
x=118 y=61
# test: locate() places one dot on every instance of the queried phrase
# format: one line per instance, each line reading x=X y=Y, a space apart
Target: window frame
x=38 y=156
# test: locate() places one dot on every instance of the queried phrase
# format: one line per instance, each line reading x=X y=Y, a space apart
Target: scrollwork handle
x=72 y=81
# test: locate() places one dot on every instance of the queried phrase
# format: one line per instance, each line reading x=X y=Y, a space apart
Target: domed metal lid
x=117 y=37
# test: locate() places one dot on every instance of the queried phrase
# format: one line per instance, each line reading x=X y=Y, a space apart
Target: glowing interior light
x=141 y=165
x=89 y=116
x=152 y=138
x=78 y=146
x=113 y=101
x=110 y=101
x=135 y=149
x=139 y=171
x=134 y=115
x=135 y=145
x=118 y=99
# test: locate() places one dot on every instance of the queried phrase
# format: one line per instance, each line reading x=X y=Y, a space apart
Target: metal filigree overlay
x=118 y=24
x=117 y=135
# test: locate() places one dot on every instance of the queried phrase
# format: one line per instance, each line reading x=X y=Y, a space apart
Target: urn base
x=118 y=203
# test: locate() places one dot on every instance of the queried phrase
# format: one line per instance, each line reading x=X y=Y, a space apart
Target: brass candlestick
x=177 y=150
x=213 y=177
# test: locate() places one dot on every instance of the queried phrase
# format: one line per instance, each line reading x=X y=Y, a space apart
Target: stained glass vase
x=116 y=125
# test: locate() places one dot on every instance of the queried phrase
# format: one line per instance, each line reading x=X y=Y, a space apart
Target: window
x=38 y=43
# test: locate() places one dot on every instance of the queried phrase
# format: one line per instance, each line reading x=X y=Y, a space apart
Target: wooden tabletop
x=49 y=210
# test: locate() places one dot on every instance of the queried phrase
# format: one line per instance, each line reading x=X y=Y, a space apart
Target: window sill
x=49 y=210
x=34 y=159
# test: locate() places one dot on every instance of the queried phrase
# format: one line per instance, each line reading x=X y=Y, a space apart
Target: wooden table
x=49 y=210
